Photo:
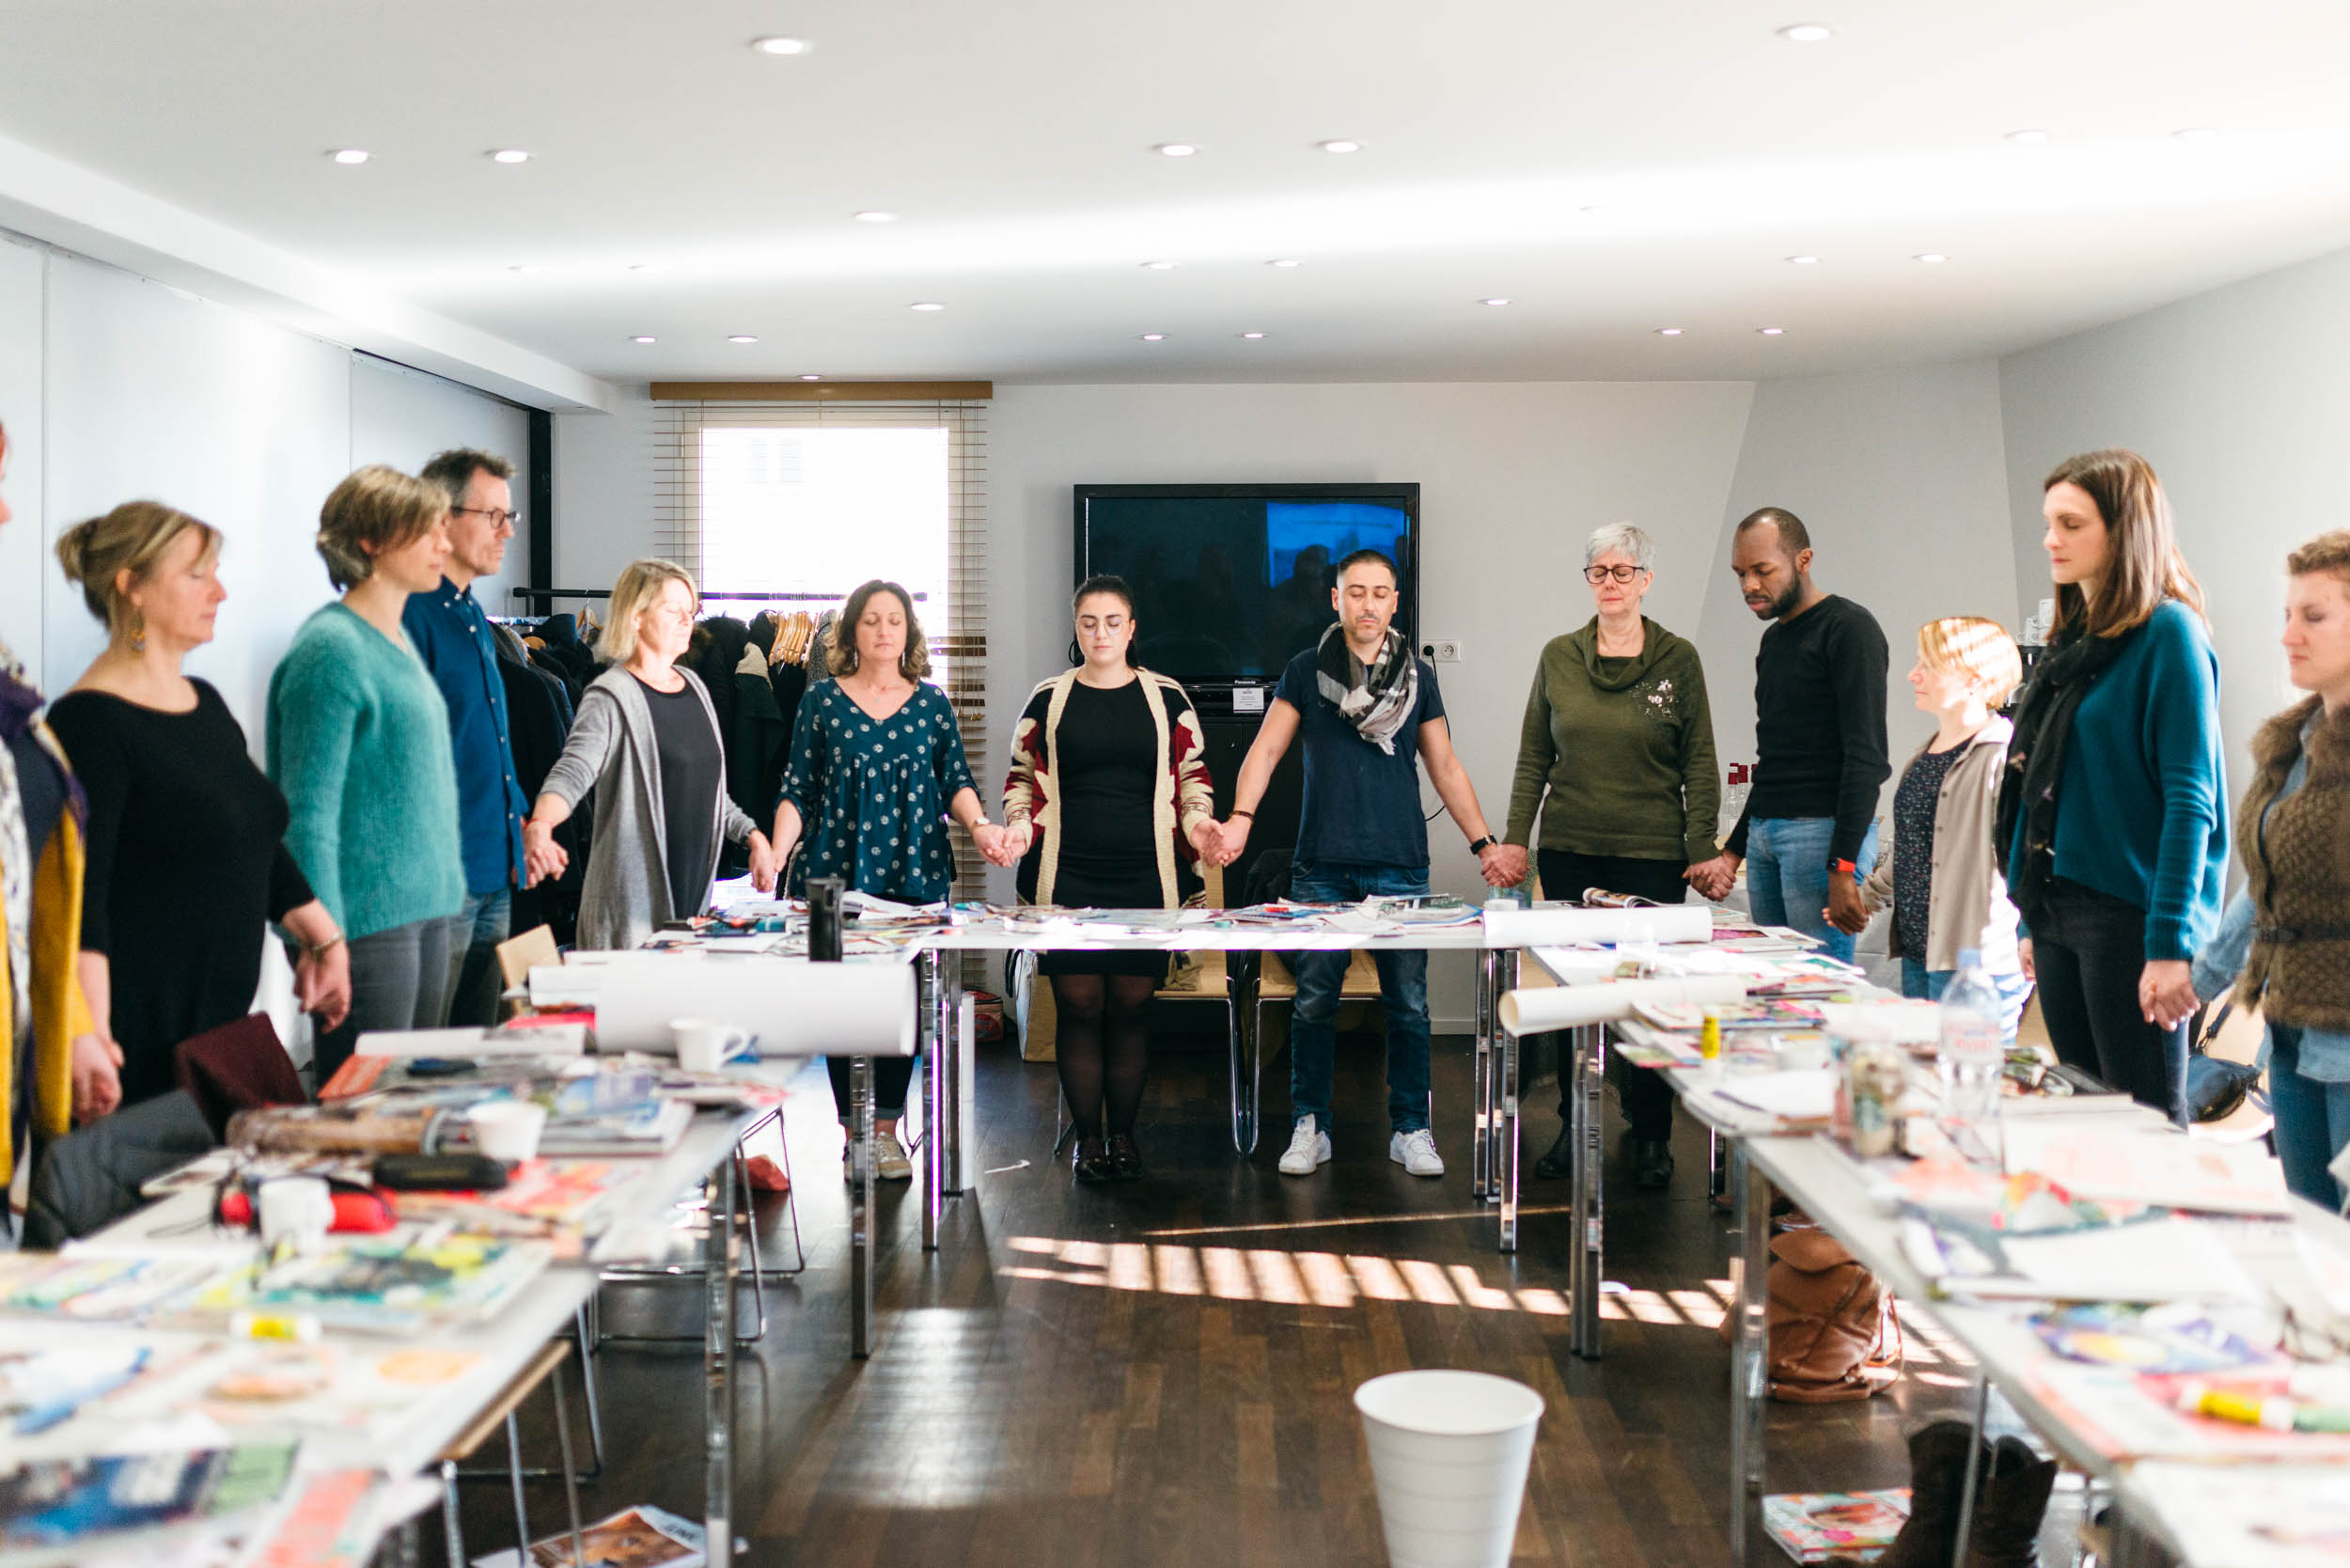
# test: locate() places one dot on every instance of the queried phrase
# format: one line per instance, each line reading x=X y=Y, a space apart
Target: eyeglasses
x=498 y=517
x=1598 y=574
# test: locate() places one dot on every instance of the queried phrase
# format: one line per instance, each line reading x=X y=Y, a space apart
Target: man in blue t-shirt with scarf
x=1369 y=711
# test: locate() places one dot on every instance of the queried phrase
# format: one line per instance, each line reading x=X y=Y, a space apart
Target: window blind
x=681 y=526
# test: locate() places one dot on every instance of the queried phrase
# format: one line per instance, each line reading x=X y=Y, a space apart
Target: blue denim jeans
x=1923 y=984
x=474 y=981
x=1403 y=986
x=2312 y=1119
x=1787 y=875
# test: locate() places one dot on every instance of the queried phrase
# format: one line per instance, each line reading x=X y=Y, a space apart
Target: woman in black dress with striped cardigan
x=1107 y=805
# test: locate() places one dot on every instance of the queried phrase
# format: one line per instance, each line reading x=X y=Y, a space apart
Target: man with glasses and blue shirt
x=1809 y=834
x=451 y=635
x=1369 y=715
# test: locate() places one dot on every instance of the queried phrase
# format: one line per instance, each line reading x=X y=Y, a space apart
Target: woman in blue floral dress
x=877 y=768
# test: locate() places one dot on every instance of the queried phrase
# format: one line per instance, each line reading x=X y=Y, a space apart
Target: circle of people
x=2074 y=837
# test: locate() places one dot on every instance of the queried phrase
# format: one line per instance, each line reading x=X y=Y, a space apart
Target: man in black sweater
x=1809 y=833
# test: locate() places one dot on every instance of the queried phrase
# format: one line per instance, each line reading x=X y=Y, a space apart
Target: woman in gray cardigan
x=647 y=740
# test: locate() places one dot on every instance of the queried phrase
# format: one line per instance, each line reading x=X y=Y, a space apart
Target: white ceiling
x=1015 y=139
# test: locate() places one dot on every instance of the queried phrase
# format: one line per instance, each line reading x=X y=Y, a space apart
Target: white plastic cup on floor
x=1449 y=1453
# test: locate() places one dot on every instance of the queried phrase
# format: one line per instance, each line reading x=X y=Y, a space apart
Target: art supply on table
x=506 y=1130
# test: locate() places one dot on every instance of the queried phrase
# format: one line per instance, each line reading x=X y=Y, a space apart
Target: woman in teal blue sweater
x=2112 y=816
x=358 y=741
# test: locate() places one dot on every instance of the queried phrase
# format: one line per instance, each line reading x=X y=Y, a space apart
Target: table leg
x=1482 y=1085
x=962 y=1132
x=1969 y=1488
x=1585 y=1067
x=1240 y=997
x=1749 y=1360
x=718 y=1354
x=860 y=1209
x=1509 y=1056
x=931 y=992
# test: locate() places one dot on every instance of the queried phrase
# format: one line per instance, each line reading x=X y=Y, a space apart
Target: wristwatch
x=1847 y=866
x=1476 y=846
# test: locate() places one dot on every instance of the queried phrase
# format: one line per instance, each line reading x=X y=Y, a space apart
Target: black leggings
x=891 y=1075
x=2088 y=950
x=1646 y=1097
x=1102 y=1046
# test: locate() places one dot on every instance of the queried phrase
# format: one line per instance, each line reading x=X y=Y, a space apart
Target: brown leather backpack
x=1834 y=1335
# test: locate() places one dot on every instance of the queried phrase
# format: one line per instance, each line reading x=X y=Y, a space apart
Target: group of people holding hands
x=2081 y=844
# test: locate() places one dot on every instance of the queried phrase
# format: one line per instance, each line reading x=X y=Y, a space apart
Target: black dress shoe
x=1088 y=1161
x=1561 y=1160
x=1124 y=1159
x=1651 y=1163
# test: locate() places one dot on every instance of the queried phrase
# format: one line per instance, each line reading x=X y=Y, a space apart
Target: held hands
x=989 y=840
x=2022 y=951
x=1714 y=878
x=1503 y=865
x=1232 y=837
x=543 y=857
x=322 y=983
x=1207 y=842
x=1016 y=840
x=1846 y=910
x=2166 y=993
x=766 y=864
x=97 y=1077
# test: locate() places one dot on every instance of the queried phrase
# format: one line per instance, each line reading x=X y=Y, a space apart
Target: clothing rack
x=766 y=595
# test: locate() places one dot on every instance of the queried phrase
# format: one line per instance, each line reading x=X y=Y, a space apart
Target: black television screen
x=1231 y=581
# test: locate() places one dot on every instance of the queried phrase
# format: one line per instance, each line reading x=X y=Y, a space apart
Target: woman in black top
x=187 y=858
x=1108 y=804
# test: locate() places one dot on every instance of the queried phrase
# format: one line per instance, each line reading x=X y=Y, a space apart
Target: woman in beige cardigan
x=1937 y=870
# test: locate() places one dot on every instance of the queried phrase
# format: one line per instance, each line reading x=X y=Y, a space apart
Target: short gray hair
x=1623 y=539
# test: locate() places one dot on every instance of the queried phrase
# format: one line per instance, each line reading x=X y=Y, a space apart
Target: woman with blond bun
x=54 y=1067
x=188 y=861
x=1937 y=871
x=358 y=739
x=647 y=742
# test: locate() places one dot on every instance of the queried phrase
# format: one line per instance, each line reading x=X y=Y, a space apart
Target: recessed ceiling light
x=926 y=305
x=644 y=266
x=1932 y=258
x=1341 y=145
x=1807 y=32
x=1285 y=261
x=2195 y=134
x=1155 y=336
x=1495 y=300
x=1252 y=336
x=781 y=46
x=876 y=217
x=1161 y=266
x=641 y=338
x=1596 y=211
x=1174 y=149
x=1772 y=332
x=1668 y=332
x=811 y=378
x=2027 y=138
x=525 y=267
x=510 y=155
x=1805 y=260
x=742 y=337
x=349 y=155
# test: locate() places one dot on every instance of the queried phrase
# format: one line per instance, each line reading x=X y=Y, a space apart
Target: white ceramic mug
x=506 y=1130
x=300 y=1208
x=704 y=1045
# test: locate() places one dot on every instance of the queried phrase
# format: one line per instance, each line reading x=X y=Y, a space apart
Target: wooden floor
x=1160 y=1372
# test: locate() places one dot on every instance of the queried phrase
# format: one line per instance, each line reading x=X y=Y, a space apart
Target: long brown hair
x=2143 y=566
x=841 y=657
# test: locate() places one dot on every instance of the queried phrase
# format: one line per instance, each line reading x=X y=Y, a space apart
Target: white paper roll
x=794 y=1008
x=1551 y=928
x=1569 y=1006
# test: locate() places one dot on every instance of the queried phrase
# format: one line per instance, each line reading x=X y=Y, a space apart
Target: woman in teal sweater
x=2112 y=817
x=358 y=741
x=1617 y=754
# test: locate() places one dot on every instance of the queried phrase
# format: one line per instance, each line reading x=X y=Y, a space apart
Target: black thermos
x=824 y=919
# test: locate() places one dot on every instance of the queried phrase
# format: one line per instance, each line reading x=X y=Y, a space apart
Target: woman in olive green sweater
x=1617 y=756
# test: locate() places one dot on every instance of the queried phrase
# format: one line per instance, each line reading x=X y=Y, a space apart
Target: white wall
x=1901 y=478
x=603 y=491
x=403 y=417
x=2238 y=398
x=25 y=541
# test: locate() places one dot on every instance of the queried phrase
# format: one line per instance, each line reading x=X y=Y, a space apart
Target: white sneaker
x=1309 y=1147
x=1417 y=1152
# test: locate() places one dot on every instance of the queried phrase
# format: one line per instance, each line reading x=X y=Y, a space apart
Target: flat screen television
x=1231 y=581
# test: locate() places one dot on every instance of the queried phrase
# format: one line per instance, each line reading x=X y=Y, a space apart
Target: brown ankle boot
x=2014 y=1494
x=1938 y=1471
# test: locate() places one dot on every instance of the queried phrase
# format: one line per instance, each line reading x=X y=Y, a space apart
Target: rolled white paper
x=794 y=1008
x=1552 y=928
x=1569 y=1006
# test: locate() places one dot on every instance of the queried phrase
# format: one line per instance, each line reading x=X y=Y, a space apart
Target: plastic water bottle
x=1972 y=1056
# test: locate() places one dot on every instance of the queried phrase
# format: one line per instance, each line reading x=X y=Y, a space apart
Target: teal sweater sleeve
x=2180 y=732
x=313 y=713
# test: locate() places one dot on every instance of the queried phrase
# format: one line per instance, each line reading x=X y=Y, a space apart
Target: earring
x=138 y=630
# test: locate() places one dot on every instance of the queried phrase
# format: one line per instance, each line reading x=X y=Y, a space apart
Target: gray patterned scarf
x=1377 y=698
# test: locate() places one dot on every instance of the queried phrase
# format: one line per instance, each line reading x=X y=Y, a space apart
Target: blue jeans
x=1403 y=986
x=474 y=981
x=1787 y=875
x=2312 y=1119
x=1923 y=984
